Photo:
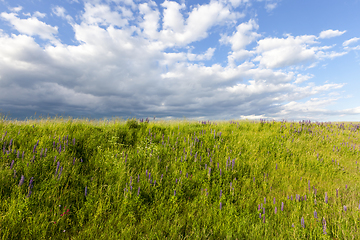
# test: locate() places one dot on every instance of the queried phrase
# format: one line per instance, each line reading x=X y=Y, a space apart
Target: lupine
x=12 y=163
x=282 y=206
x=345 y=208
x=31 y=182
x=324 y=225
x=220 y=205
x=23 y=179
x=302 y=222
x=326 y=198
x=85 y=191
x=315 y=214
x=337 y=191
x=264 y=200
x=274 y=200
x=60 y=172
x=57 y=168
x=174 y=192
x=275 y=210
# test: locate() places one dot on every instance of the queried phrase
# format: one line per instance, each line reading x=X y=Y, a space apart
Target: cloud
x=283 y=52
x=149 y=67
x=350 y=41
x=330 y=33
x=302 y=78
x=101 y=14
x=270 y=6
x=39 y=15
x=31 y=26
x=16 y=9
x=243 y=35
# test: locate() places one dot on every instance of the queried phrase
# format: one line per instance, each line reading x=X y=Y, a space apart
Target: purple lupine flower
x=138 y=177
x=291 y=197
x=260 y=215
x=282 y=206
x=60 y=172
x=29 y=194
x=274 y=200
x=254 y=179
x=275 y=210
x=315 y=201
x=345 y=208
x=326 y=198
x=85 y=191
x=205 y=165
x=31 y=182
x=149 y=175
x=21 y=180
x=264 y=200
x=10 y=143
x=81 y=160
x=264 y=218
x=12 y=163
x=74 y=161
x=346 y=186
x=264 y=210
x=209 y=171
x=57 y=168
x=138 y=191
x=324 y=225
x=302 y=222
x=315 y=214
x=337 y=191
x=174 y=192
x=233 y=163
x=259 y=207
x=220 y=205
x=276 y=167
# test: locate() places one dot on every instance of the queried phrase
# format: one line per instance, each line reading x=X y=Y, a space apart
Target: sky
x=204 y=60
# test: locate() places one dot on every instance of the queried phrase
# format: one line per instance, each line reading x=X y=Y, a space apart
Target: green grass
x=272 y=160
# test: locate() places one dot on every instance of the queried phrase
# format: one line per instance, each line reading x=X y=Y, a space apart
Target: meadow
x=180 y=179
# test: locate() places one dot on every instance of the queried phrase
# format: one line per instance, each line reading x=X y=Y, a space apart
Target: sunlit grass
x=149 y=179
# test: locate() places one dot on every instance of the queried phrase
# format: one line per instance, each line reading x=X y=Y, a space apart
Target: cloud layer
x=138 y=60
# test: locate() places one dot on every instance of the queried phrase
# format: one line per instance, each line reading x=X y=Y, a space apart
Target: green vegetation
x=179 y=180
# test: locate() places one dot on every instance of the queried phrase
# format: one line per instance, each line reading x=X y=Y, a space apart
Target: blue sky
x=203 y=60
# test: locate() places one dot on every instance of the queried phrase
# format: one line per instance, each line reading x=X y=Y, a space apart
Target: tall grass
x=81 y=179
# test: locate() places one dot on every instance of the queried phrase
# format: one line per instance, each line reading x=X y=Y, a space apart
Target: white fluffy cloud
x=138 y=59
x=331 y=33
x=31 y=26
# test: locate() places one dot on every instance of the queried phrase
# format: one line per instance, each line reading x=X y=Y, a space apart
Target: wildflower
x=85 y=191
x=274 y=200
x=12 y=163
x=23 y=179
x=275 y=210
x=302 y=222
x=282 y=206
x=315 y=214
x=264 y=200
x=220 y=205
x=345 y=208
x=264 y=218
x=326 y=198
